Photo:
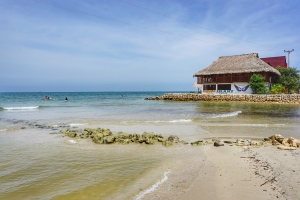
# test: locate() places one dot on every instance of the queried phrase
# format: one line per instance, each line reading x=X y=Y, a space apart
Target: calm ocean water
x=37 y=165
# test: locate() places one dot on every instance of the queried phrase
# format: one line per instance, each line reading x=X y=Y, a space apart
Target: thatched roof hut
x=245 y=63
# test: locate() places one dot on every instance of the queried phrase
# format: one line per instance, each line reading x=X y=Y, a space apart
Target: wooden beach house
x=231 y=74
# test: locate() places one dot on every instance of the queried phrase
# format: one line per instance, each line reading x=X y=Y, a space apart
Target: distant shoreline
x=255 y=98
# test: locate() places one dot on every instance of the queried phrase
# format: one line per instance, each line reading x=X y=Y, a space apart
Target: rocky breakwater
x=105 y=136
x=262 y=98
x=275 y=140
x=284 y=143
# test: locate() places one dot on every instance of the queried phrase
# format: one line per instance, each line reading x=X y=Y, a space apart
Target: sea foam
x=153 y=187
x=180 y=120
x=231 y=114
x=78 y=124
x=21 y=108
x=243 y=125
x=171 y=121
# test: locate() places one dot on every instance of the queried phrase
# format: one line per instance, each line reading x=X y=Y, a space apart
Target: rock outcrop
x=105 y=136
x=283 y=143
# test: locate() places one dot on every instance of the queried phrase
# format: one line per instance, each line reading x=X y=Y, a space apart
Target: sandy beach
x=227 y=168
x=247 y=173
x=232 y=172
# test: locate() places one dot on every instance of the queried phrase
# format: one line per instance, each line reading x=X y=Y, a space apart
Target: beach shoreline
x=229 y=172
x=209 y=172
x=232 y=172
x=50 y=165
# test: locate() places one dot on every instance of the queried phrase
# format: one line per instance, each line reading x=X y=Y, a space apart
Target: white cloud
x=54 y=45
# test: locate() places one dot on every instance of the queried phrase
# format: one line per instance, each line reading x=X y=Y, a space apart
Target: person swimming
x=47 y=98
x=66 y=98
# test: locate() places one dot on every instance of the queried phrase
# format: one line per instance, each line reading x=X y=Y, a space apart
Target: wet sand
x=247 y=173
x=232 y=172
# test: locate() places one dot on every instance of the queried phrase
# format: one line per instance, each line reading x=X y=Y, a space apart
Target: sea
x=38 y=162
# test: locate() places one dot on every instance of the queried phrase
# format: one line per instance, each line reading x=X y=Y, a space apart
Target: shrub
x=257 y=84
x=277 y=89
x=289 y=78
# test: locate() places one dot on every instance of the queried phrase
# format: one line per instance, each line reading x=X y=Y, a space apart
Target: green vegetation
x=258 y=85
x=277 y=89
x=288 y=82
x=289 y=78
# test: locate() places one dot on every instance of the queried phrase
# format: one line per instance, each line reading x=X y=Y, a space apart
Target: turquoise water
x=130 y=108
x=37 y=165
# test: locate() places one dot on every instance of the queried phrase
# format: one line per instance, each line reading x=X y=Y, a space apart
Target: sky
x=135 y=45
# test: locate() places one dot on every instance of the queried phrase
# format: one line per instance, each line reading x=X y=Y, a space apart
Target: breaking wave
x=171 y=121
x=153 y=187
x=180 y=120
x=78 y=124
x=243 y=125
x=21 y=108
x=232 y=114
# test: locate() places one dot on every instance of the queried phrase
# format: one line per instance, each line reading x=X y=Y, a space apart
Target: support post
x=288 y=51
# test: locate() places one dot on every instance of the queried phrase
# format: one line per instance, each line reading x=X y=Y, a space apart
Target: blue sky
x=84 y=47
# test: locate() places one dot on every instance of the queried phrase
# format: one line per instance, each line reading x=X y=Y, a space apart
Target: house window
x=224 y=87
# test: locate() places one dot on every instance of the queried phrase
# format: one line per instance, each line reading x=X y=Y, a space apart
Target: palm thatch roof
x=245 y=63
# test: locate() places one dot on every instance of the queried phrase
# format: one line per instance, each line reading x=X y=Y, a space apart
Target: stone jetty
x=259 y=98
x=105 y=136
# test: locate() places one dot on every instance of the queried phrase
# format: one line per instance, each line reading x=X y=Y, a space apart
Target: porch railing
x=224 y=79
